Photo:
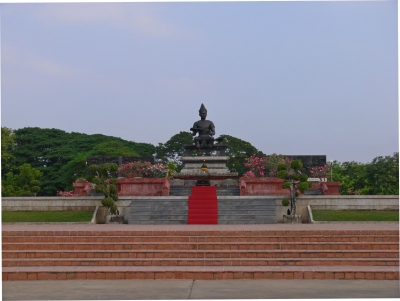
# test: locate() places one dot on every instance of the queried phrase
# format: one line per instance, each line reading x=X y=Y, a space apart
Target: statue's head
x=203 y=112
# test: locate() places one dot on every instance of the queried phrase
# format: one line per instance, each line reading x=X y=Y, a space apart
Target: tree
x=106 y=184
x=7 y=147
x=380 y=177
x=112 y=148
x=294 y=181
x=60 y=156
x=238 y=150
x=23 y=183
x=383 y=175
x=173 y=149
x=352 y=177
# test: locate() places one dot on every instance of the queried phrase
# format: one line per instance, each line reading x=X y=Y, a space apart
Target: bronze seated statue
x=205 y=129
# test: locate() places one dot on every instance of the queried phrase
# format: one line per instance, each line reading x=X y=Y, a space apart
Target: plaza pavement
x=199 y=289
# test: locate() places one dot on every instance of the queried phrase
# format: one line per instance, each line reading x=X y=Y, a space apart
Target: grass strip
x=355 y=215
x=46 y=216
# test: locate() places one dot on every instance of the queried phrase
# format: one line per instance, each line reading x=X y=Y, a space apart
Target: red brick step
x=201 y=254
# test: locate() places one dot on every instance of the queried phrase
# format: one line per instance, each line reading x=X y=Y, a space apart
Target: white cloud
x=144 y=18
x=22 y=70
x=148 y=20
x=52 y=68
x=78 y=13
x=14 y=58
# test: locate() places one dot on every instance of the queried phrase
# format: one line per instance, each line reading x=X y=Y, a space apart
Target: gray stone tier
x=215 y=165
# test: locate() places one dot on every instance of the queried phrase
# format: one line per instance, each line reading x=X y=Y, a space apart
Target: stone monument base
x=216 y=169
x=216 y=165
x=292 y=219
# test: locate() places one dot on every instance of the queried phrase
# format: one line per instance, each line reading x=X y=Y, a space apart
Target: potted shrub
x=294 y=180
x=106 y=184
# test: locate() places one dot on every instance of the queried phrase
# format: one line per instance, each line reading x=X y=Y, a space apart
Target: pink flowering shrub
x=65 y=193
x=256 y=166
x=142 y=169
x=319 y=171
x=260 y=167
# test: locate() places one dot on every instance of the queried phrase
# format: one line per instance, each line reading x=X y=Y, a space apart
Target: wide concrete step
x=201 y=272
x=276 y=253
x=179 y=239
x=201 y=262
x=205 y=246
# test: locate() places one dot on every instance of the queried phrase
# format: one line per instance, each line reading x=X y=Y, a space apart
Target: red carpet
x=203 y=205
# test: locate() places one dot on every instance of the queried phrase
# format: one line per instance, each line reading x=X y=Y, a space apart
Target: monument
x=205 y=161
x=205 y=129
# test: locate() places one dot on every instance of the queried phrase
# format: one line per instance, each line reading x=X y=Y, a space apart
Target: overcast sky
x=294 y=78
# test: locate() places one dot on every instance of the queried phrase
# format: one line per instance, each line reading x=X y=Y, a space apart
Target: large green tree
x=380 y=177
x=173 y=149
x=24 y=182
x=383 y=175
x=7 y=148
x=61 y=156
x=238 y=150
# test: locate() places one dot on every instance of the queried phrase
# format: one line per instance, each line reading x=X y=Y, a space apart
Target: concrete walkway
x=335 y=226
x=197 y=289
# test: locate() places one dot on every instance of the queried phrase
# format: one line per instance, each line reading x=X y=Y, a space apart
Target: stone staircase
x=174 y=210
x=200 y=254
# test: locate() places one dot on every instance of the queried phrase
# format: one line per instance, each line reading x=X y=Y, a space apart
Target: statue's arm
x=212 y=129
x=194 y=129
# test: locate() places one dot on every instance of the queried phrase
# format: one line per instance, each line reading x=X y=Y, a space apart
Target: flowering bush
x=142 y=169
x=265 y=166
x=318 y=171
x=256 y=165
x=249 y=174
x=65 y=193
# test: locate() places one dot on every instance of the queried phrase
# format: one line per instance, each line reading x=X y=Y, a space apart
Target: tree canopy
x=57 y=158
x=173 y=149
x=7 y=147
x=61 y=156
x=24 y=182
x=380 y=177
x=238 y=150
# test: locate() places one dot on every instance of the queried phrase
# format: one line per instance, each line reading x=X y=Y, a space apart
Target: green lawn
x=355 y=216
x=45 y=216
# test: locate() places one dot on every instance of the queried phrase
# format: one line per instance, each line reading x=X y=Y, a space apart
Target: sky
x=293 y=78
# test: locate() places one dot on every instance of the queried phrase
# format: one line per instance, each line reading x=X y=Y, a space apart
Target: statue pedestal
x=216 y=169
x=215 y=165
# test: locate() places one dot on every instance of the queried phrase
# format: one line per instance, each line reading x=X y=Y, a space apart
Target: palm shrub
x=294 y=181
x=106 y=184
